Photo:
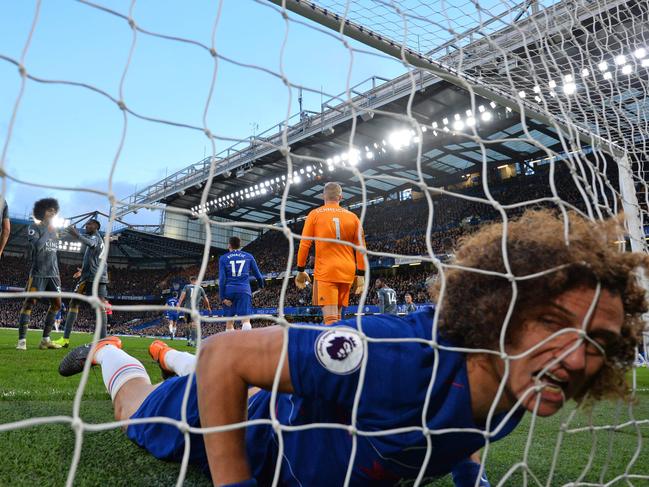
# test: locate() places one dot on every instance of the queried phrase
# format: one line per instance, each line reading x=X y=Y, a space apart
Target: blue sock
x=466 y=472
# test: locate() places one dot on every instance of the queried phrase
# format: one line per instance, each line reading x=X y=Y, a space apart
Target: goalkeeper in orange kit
x=338 y=267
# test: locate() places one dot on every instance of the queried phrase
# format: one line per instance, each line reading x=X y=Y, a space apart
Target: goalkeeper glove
x=359 y=284
x=301 y=279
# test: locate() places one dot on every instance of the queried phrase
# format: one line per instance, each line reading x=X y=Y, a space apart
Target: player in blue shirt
x=172 y=315
x=235 y=268
x=572 y=335
x=59 y=318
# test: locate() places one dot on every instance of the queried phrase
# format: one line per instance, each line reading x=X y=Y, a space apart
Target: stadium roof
x=249 y=179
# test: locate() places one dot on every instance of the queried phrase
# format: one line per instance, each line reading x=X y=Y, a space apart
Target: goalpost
x=579 y=68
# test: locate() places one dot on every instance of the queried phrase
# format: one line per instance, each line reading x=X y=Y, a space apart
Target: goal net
x=493 y=108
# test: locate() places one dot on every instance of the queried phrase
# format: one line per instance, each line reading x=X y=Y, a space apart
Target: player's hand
x=359 y=284
x=73 y=230
x=77 y=274
x=227 y=302
x=301 y=280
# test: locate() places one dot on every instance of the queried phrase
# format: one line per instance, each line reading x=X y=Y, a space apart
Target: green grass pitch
x=40 y=455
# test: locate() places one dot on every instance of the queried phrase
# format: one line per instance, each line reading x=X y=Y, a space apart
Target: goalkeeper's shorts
x=331 y=293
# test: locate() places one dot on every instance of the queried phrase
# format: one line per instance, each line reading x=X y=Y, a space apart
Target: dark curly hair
x=42 y=205
x=474 y=305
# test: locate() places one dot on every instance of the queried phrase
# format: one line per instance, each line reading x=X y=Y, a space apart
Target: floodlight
x=569 y=88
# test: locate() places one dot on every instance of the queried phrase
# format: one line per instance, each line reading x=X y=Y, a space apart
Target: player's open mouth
x=553 y=385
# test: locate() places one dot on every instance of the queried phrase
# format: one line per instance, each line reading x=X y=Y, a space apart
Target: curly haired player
x=44 y=274
x=572 y=335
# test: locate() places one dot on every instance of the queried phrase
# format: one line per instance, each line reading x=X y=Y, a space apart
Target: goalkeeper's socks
x=466 y=472
x=181 y=363
x=246 y=326
x=117 y=368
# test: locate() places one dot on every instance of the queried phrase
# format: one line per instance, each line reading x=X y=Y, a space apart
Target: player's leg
x=244 y=308
x=102 y=293
x=23 y=322
x=229 y=311
x=125 y=377
x=170 y=360
x=26 y=315
x=343 y=296
x=71 y=318
x=46 y=341
x=326 y=294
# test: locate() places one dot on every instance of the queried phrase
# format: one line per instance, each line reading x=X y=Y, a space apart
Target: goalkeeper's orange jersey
x=334 y=262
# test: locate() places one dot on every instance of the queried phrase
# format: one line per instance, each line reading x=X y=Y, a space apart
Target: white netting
x=567 y=80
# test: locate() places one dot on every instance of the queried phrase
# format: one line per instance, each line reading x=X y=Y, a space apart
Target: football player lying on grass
x=572 y=334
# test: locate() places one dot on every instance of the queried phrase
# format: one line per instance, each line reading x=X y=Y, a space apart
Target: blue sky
x=68 y=136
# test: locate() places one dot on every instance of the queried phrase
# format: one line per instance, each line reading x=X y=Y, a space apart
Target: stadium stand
x=391 y=226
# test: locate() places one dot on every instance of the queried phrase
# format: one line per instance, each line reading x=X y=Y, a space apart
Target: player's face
x=408 y=299
x=49 y=214
x=563 y=365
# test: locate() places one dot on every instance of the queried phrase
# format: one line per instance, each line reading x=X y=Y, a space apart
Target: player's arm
x=181 y=300
x=36 y=238
x=257 y=272
x=228 y=363
x=359 y=281
x=6 y=231
x=206 y=302
x=91 y=242
x=303 y=252
x=221 y=278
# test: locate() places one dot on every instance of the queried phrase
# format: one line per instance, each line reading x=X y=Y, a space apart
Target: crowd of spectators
x=399 y=227
x=127 y=281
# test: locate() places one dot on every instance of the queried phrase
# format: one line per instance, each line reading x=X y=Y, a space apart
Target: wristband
x=360 y=272
x=245 y=483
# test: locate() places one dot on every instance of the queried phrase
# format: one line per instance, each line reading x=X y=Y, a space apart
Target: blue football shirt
x=235 y=268
x=324 y=364
x=324 y=367
x=169 y=314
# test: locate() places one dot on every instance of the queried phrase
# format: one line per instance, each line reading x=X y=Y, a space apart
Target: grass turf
x=40 y=455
